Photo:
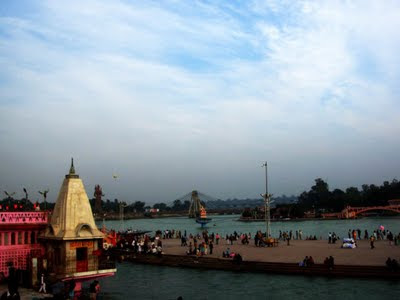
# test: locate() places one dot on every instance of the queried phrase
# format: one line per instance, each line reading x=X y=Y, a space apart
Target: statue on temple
x=98 y=193
x=44 y=194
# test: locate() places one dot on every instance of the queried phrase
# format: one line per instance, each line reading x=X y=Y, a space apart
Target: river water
x=153 y=282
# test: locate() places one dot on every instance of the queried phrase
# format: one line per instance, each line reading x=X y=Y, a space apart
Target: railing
x=24 y=217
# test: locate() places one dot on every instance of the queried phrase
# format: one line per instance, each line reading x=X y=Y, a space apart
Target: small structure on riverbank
x=73 y=242
x=197 y=210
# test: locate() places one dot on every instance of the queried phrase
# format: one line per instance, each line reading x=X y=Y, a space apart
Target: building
x=72 y=240
x=19 y=244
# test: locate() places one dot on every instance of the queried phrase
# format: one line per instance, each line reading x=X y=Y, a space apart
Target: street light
x=122 y=205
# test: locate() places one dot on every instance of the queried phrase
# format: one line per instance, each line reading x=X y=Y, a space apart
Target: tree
x=338 y=199
x=139 y=206
x=177 y=205
x=160 y=206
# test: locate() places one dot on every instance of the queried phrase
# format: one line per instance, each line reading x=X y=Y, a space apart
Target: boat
x=202 y=219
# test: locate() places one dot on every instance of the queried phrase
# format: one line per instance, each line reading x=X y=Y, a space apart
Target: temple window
x=26 y=237
x=33 y=240
x=81 y=254
x=12 y=238
x=19 y=238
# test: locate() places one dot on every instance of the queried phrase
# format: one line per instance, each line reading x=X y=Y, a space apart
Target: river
x=152 y=282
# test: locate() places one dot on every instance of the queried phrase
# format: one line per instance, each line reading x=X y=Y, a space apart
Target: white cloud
x=195 y=89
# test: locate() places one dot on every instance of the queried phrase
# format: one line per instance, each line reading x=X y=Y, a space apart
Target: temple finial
x=72 y=169
x=71 y=173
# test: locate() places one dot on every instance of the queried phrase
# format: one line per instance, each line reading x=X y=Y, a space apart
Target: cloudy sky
x=179 y=95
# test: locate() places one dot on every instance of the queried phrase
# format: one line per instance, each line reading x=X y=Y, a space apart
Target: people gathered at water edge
x=203 y=244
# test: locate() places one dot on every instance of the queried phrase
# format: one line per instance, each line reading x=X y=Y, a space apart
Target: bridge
x=350 y=212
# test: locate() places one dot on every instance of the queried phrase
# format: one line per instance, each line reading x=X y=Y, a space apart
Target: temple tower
x=72 y=239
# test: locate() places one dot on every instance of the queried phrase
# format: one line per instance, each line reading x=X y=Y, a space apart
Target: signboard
x=80 y=244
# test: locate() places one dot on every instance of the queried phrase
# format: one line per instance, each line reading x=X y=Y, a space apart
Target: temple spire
x=71 y=173
x=72 y=169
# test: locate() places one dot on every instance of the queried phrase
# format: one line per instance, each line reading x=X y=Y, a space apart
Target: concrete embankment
x=283 y=259
x=374 y=272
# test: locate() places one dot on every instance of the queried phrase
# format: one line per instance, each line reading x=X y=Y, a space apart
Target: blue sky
x=181 y=95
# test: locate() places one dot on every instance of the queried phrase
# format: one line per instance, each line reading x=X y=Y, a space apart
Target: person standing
x=372 y=240
x=42 y=285
x=94 y=289
x=211 y=246
x=331 y=262
x=71 y=292
x=390 y=238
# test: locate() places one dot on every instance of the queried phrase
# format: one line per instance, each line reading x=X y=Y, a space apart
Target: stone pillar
x=34 y=272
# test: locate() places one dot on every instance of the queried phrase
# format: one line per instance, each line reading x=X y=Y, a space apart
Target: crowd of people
x=329 y=262
x=141 y=244
x=202 y=244
x=392 y=264
x=378 y=234
x=308 y=261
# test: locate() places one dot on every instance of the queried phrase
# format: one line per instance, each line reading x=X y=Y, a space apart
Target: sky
x=172 y=96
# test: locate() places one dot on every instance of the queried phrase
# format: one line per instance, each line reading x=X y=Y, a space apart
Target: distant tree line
x=139 y=206
x=320 y=199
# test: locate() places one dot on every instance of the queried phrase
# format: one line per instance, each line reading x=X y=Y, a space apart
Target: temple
x=64 y=244
x=72 y=240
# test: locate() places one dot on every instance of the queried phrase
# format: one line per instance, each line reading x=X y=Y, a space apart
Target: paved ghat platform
x=283 y=259
x=363 y=255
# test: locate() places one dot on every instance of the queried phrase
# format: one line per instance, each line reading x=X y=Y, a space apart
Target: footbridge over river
x=350 y=212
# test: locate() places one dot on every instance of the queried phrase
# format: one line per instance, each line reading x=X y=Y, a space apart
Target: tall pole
x=122 y=205
x=267 y=204
x=121 y=215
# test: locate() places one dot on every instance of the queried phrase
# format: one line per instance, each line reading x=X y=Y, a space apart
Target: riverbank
x=26 y=293
x=298 y=249
x=117 y=217
x=285 y=219
x=283 y=259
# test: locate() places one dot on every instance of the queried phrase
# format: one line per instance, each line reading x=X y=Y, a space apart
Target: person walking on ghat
x=372 y=240
x=42 y=285
x=211 y=246
x=94 y=289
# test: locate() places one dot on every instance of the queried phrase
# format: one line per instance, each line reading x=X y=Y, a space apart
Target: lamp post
x=26 y=197
x=122 y=205
x=267 y=202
